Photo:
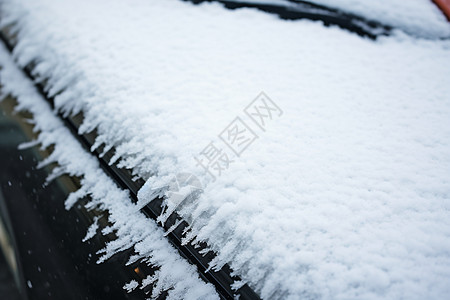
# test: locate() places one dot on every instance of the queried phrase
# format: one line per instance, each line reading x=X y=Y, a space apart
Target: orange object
x=444 y=5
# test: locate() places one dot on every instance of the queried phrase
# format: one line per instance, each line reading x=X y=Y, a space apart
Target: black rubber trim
x=297 y=9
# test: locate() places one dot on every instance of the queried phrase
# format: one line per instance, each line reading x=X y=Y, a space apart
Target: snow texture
x=345 y=196
x=130 y=286
x=132 y=228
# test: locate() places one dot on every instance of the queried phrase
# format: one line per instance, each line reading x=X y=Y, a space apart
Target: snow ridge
x=133 y=229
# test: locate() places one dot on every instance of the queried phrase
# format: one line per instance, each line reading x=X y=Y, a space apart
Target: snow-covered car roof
x=322 y=156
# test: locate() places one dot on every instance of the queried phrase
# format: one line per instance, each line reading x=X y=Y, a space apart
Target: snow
x=92 y=230
x=132 y=228
x=344 y=196
x=133 y=284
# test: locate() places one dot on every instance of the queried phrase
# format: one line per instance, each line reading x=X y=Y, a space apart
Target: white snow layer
x=133 y=229
x=345 y=196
